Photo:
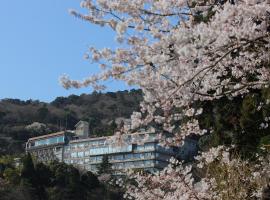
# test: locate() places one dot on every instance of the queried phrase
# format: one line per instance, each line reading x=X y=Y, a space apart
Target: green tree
x=44 y=177
x=74 y=189
x=44 y=174
x=12 y=176
x=112 y=127
x=56 y=181
x=237 y=121
x=105 y=166
x=28 y=172
x=66 y=183
x=42 y=113
x=89 y=180
x=28 y=177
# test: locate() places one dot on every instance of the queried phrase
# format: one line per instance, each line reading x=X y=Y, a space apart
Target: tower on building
x=82 y=129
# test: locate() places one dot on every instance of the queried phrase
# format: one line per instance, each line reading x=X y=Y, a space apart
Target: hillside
x=99 y=109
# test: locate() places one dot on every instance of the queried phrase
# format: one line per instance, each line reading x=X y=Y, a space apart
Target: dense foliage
x=55 y=181
x=241 y=121
x=101 y=110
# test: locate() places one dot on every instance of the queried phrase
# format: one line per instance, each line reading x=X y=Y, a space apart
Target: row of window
x=97 y=158
x=110 y=149
x=100 y=151
x=127 y=156
x=48 y=141
x=163 y=157
x=122 y=157
x=129 y=165
x=137 y=164
x=122 y=165
x=87 y=144
x=165 y=149
x=146 y=146
x=102 y=142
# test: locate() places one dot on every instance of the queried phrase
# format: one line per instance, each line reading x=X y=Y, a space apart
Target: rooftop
x=139 y=135
x=47 y=136
x=81 y=122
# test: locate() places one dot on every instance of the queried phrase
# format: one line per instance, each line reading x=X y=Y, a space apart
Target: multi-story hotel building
x=86 y=153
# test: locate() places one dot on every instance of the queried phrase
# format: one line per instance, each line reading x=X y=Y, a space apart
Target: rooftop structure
x=82 y=129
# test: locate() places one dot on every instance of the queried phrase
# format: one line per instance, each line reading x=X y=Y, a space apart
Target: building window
x=80 y=154
x=128 y=156
x=99 y=158
x=80 y=162
x=149 y=146
x=118 y=157
x=140 y=147
x=136 y=156
x=93 y=167
x=74 y=146
x=93 y=159
x=58 y=149
x=148 y=155
x=74 y=155
x=101 y=142
x=87 y=153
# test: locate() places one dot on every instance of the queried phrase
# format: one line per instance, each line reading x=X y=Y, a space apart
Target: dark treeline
x=99 y=109
x=53 y=181
x=241 y=121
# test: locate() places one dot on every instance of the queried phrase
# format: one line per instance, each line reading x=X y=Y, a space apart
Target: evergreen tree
x=105 y=166
x=42 y=113
x=28 y=177
x=12 y=176
x=89 y=180
x=74 y=189
x=44 y=176
x=28 y=173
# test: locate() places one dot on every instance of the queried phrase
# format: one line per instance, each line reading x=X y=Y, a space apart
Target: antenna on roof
x=66 y=123
x=60 y=125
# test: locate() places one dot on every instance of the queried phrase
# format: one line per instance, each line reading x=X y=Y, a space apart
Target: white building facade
x=86 y=153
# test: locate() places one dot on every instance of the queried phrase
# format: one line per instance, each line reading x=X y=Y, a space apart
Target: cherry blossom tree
x=225 y=177
x=180 y=52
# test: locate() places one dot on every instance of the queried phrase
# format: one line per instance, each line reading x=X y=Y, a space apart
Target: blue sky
x=40 y=41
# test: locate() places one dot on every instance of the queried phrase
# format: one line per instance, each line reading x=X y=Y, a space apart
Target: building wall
x=82 y=129
x=47 y=148
x=87 y=154
x=48 y=153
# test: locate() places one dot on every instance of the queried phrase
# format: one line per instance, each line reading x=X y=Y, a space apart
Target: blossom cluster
x=218 y=174
x=177 y=59
x=174 y=182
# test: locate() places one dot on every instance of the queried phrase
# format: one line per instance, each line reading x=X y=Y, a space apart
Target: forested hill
x=99 y=109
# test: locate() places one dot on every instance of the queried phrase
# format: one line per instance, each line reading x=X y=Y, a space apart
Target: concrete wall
x=82 y=129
